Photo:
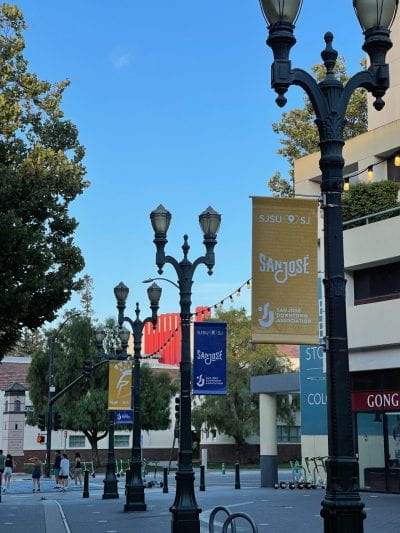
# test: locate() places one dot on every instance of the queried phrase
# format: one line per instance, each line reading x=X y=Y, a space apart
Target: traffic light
x=177 y=409
x=87 y=368
x=41 y=422
x=57 y=422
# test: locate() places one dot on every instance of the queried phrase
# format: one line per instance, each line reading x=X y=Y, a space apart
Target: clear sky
x=174 y=106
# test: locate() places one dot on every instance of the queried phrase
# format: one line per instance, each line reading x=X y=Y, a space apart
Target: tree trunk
x=94 y=439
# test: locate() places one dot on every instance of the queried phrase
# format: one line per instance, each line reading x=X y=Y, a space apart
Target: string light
x=202 y=312
x=370 y=172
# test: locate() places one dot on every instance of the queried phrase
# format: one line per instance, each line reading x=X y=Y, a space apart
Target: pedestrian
x=56 y=468
x=64 y=472
x=8 y=470
x=36 y=474
x=2 y=461
x=78 y=469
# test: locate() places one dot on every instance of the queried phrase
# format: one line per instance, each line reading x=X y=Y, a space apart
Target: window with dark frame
x=377 y=283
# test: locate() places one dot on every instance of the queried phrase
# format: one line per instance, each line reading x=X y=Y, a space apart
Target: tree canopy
x=84 y=407
x=237 y=413
x=299 y=134
x=41 y=173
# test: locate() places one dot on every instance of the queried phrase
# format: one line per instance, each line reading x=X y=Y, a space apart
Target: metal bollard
x=202 y=478
x=86 y=484
x=165 y=480
x=237 y=476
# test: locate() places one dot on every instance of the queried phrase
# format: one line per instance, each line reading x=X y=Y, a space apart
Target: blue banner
x=313 y=383
x=123 y=417
x=209 y=361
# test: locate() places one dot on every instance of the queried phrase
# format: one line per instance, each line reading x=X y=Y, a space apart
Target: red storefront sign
x=376 y=401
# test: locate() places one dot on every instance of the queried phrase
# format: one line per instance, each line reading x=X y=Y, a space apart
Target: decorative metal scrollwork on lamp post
x=342 y=509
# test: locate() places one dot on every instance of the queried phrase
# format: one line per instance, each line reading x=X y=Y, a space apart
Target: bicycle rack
x=232 y=517
x=213 y=515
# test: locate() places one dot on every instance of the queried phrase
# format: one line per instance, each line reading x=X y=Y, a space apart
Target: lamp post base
x=135 y=506
x=110 y=489
x=185 y=511
x=342 y=508
x=135 y=489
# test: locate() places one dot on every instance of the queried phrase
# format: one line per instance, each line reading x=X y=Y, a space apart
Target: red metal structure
x=165 y=339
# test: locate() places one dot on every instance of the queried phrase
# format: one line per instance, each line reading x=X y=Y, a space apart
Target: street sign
x=124 y=417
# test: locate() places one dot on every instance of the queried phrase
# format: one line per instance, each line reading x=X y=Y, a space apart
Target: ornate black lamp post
x=342 y=509
x=135 y=489
x=110 y=481
x=185 y=511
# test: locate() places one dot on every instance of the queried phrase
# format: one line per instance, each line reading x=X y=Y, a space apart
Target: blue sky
x=174 y=106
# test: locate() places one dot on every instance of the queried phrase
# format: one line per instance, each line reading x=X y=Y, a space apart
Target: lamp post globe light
x=135 y=500
x=185 y=511
x=342 y=508
x=110 y=491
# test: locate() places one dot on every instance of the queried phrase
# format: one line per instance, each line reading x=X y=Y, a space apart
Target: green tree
x=41 y=173
x=157 y=391
x=299 y=134
x=84 y=407
x=237 y=413
x=28 y=343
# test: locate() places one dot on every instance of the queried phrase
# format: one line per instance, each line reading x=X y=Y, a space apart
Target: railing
x=367 y=218
x=230 y=520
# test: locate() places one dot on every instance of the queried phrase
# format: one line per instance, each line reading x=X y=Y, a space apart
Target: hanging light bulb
x=231 y=298
x=248 y=284
x=238 y=292
x=370 y=172
x=397 y=160
x=346 y=184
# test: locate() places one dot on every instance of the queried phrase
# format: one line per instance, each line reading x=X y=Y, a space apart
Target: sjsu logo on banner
x=209 y=360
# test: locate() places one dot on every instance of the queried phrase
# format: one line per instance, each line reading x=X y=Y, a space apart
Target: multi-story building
x=372 y=267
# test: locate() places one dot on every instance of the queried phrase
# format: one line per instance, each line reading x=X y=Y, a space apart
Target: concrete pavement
x=276 y=511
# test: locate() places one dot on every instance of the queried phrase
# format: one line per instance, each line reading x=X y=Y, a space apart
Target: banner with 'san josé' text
x=284 y=271
x=209 y=359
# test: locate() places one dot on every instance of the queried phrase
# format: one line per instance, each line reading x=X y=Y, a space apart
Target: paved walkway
x=276 y=511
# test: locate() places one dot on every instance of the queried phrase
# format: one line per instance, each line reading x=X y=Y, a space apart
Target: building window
x=16 y=426
x=393 y=172
x=288 y=434
x=6 y=406
x=17 y=406
x=121 y=441
x=377 y=284
x=77 y=441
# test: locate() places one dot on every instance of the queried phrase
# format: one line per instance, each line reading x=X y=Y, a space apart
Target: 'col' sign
x=209 y=360
x=376 y=401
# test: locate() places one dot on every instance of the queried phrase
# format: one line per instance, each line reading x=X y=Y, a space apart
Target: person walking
x=36 y=475
x=78 y=469
x=56 y=468
x=64 y=472
x=2 y=461
x=8 y=470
